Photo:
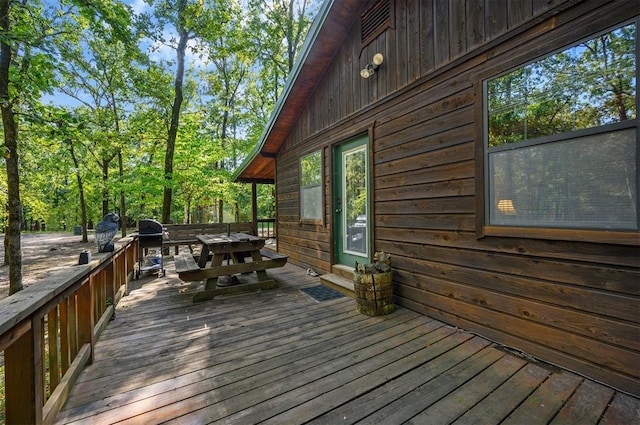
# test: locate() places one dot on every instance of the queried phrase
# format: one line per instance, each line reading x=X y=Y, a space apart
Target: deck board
x=585 y=405
x=463 y=398
x=280 y=357
x=546 y=401
x=499 y=403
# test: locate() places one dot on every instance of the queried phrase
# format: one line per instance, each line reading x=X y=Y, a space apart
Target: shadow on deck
x=281 y=357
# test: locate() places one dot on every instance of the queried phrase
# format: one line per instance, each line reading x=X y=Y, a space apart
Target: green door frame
x=352 y=214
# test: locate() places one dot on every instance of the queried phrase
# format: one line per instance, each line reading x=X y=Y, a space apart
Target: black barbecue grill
x=150 y=234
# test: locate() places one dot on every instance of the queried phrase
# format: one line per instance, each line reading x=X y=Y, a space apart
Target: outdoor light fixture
x=370 y=69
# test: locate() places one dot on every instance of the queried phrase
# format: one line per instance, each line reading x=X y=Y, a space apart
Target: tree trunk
x=83 y=204
x=220 y=210
x=105 y=187
x=187 y=211
x=6 y=249
x=123 y=205
x=13 y=251
x=175 y=115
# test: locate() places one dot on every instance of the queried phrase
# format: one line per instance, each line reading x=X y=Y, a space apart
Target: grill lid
x=149 y=227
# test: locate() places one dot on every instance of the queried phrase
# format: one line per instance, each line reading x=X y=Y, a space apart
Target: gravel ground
x=42 y=254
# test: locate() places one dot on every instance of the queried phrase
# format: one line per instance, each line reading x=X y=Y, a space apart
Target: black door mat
x=322 y=293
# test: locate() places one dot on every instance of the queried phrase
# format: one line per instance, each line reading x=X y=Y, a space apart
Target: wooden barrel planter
x=374 y=293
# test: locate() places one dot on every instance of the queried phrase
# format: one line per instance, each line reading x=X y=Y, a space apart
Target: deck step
x=339 y=283
x=343 y=271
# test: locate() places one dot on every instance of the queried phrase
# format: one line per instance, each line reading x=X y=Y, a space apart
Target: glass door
x=351 y=201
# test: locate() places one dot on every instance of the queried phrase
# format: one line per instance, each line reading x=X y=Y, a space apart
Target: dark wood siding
x=575 y=304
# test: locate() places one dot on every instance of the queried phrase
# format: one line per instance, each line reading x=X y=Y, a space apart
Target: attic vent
x=375 y=19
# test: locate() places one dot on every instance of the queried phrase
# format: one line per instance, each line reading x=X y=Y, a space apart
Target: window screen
x=561 y=138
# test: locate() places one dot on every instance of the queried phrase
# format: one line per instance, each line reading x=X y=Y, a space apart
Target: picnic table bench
x=235 y=248
x=185 y=234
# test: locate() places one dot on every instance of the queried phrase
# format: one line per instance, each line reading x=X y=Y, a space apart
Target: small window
x=561 y=138
x=311 y=188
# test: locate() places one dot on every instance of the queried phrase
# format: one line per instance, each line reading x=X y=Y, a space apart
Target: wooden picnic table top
x=223 y=243
x=230 y=238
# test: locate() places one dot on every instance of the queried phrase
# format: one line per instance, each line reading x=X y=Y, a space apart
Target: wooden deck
x=280 y=357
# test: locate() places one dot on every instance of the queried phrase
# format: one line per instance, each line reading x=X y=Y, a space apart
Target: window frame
x=483 y=202
x=320 y=219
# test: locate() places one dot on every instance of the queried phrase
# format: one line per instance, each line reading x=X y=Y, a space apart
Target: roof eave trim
x=312 y=35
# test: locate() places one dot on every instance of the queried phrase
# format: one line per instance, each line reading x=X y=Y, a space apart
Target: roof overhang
x=328 y=31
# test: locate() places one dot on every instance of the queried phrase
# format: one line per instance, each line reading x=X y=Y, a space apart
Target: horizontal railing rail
x=49 y=329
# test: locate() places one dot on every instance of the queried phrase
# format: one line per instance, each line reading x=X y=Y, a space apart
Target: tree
x=30 y=32
x=191 y=21
x=24 y=73
x=231 y=58
x=279 y=28
x=12 y=231
x=97 y=69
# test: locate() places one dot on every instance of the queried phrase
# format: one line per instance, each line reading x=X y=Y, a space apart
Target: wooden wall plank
x=598 y=277
x=441 y=18
x=475 y=23
x=457 y=28
x=402 y=44
x=422 y=144
x=456 y=153
x=454 y=222
x=623 y=256
x=459 y=170
x=424 y=113
x=518 y=11
x=436 y=125
x=496 y=17
x=413 y=39
x=427 y=37
x=439 y=189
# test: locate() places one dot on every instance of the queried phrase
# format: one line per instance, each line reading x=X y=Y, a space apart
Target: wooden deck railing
x=266 y=228
x=48 y=331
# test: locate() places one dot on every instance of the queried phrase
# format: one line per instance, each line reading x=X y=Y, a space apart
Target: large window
x=562 y=138
x=311 y=187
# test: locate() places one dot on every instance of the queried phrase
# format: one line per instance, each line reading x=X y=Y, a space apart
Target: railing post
x=85 y=311
x=254 y=208
x=54 y=359
x=111 y=278
x=24 y=386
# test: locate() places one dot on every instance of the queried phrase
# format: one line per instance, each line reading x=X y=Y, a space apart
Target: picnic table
x=231 y=254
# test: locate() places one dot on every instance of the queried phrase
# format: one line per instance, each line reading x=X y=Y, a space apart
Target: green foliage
x=114 y=97
x=311 y=169
x=588 y=85
x=355 y=193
